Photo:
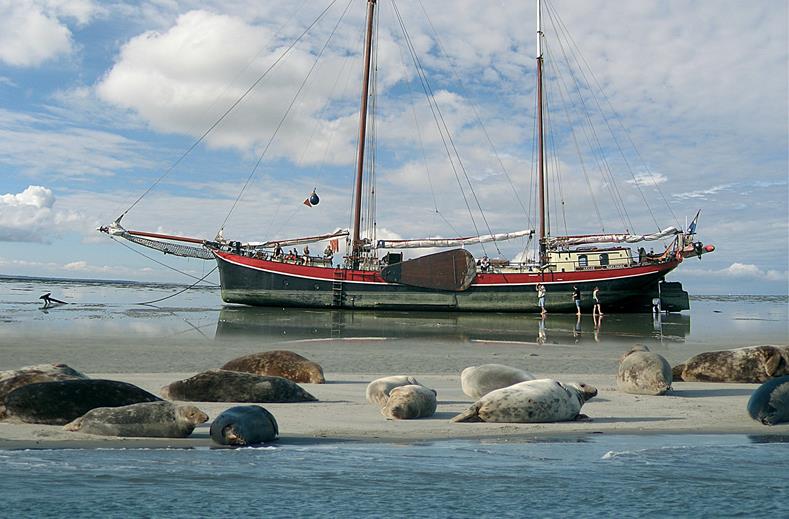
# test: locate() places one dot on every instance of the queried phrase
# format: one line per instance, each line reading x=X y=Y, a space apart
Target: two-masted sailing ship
x=374 y=274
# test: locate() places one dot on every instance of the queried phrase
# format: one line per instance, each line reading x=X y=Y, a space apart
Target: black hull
x=243 y=284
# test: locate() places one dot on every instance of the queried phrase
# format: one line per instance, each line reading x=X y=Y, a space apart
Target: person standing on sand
x=596 y=308
x=577 y=299
x=541 y=298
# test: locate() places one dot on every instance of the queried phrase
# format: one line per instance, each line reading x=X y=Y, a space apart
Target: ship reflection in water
x=287 y=324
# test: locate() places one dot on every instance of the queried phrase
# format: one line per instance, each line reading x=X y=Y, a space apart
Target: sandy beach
x=342 y=413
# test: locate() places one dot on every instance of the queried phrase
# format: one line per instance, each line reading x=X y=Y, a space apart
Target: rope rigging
x=229 y=110
x=583 y=64
x=284 y=116
x=443 y=129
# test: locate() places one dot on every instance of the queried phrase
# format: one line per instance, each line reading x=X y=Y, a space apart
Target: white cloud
x=741 y=271
x=51 y=147
x=30 y=216
x=648 y=179
x=749 y=270
x=32 y=32
x=702 y=194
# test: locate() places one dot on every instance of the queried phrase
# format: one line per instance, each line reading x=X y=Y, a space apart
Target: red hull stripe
x=487 y=280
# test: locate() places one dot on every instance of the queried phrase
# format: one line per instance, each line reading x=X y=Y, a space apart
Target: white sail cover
x=564 y=241
x=298 y=241
x=450 y=242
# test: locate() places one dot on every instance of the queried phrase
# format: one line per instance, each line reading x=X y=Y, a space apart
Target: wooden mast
x=540 y=143
x=356 y=243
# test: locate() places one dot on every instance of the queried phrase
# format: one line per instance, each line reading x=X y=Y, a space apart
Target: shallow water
x=104 y=328
x=601 y=476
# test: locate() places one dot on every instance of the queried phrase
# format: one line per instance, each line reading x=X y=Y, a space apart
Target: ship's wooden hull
x=259 y=282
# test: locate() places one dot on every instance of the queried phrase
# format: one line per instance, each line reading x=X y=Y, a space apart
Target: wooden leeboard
x=449 y=270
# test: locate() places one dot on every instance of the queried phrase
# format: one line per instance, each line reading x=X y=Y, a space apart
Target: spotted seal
x=147 y=419
x=220 y=385
x=769 y=404
x=643 y=372
x=378 y=390
x=411 y=401
x=749 y=364
x=477 y=381
x=533 y=401
x=244 y=425
x=58 y=403
x=16 y=378
x=279 y=363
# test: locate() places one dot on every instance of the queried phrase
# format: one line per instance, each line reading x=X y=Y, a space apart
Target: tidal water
x=592 y=476
x=615 y=476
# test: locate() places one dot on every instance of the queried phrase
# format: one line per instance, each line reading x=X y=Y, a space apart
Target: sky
x=686 y=102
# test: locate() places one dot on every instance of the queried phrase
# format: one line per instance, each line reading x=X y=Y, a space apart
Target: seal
x=642 y=372
x=58 y=403
x=279 y=363
x=219 y=385
x=378 y=390
x=16 y=378
x=477 y=381
x=533 y=401
x=408 y=402
x=147 y=419
x=244 y=425
x=750 y=364
x=769 y=404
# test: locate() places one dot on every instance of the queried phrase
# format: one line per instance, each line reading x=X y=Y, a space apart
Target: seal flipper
x=469 y=415
x=676 y=372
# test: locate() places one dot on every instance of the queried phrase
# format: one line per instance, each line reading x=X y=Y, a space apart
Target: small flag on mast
x=692 y=226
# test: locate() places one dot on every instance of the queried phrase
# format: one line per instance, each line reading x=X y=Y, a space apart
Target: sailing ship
x=374 y=274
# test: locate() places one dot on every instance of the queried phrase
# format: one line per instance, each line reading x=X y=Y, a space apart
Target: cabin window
x=583 y=261
x=604 y=260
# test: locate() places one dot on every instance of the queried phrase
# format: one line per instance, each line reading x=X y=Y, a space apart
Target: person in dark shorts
x=577 y=299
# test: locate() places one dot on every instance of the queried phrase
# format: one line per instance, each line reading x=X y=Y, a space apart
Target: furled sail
x=565 y=241
x=339 y=233
x=450 y=242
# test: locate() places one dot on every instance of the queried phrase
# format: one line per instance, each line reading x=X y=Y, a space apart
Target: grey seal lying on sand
x=411 y=401
x=769 y=404
x=279 y=363
x=749 y=364
x=378 y=390
x=643 y=372
x=244 y=425
x=219 y=385
x=58 y=403
x=478 y=381
x=147 y=419
x=16 y=378
x=533 y=401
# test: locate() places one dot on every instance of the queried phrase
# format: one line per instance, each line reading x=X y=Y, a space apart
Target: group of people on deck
x=293 y=254
x=596 y=309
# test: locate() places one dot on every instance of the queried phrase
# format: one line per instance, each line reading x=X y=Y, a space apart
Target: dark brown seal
x=750 y=364
x=58 y=403
x=279 y=363
x=16 y=378
x=148 y=419
x=219 y=385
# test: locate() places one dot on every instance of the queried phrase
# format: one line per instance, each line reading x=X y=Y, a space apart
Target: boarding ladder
x=337 y=288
